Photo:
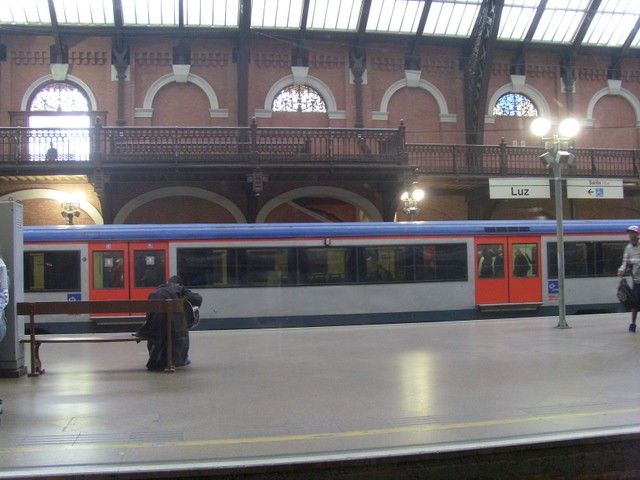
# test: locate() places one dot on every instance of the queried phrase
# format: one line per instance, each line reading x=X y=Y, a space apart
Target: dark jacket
x=155 y=327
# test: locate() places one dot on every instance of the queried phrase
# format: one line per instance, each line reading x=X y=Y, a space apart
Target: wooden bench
x=92 y=307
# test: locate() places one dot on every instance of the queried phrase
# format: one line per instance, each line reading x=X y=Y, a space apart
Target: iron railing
x=257 y=146
x=212 y=146
x=504 y=160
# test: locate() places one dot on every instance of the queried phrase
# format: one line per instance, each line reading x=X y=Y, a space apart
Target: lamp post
x=411 y=199
x=71 y=207
x=556 y=156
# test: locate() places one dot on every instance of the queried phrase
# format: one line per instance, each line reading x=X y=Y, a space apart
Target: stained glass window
x=514 y=105
x=298 y=98
x=59 y=97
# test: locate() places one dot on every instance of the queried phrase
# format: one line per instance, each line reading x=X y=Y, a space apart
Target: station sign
x=508 y=188
x=594 y=188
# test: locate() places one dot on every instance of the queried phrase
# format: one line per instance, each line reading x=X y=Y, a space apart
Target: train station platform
x=477 y=399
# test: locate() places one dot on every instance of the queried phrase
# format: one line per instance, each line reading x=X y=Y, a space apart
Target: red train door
x=508 y=270
x=149 y=267
x=108 y=267
x=126 y=270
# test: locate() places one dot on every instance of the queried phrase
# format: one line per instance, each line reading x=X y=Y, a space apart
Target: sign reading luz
x=503 y=188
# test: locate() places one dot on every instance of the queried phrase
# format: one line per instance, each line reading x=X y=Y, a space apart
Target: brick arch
x=42 y=81
x=623 y=92
x=147 y=105
x=445 y=116
x=313 y=82
x=167 y=192
x=58 y=196
x=352 y=198
x=536 y=97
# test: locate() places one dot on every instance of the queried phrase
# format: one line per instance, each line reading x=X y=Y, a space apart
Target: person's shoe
x=632 y=327
x=188 y=362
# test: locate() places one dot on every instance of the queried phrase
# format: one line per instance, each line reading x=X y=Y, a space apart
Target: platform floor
x=261 y=396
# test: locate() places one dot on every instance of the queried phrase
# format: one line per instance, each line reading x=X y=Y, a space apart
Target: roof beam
x=362 y=21
x=118 y=16
x=58 y=52
x=304 y=18
x=477 y=70
x=586 y=23
x=518 y=64
x=415 y=41
x=616 y=60
x=242 y=56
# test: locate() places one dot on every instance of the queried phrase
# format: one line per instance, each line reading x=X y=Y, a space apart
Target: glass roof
x=334 y=14
x=612 y=23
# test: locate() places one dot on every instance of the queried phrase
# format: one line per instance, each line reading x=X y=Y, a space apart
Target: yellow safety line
x=315 y=436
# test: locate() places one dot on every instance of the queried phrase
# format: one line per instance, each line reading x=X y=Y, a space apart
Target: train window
x=386 y=265
x=108 y=269
x=149 y=268
x=490 y=261
x=609 y=257
x=52 y=271
x=266 y=266
x=205 y=267
x=524 y=257
x=587 y=259
x=325 y=265
x=441 y=262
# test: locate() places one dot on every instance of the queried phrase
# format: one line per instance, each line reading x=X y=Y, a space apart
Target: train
x=306 y=274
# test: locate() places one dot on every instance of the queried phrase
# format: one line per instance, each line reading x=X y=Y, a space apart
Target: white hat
x=633 y=228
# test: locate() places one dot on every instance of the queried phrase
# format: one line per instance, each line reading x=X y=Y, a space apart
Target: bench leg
x=36 y=363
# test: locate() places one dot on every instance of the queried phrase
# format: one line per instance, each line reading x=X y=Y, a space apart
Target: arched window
x=59 y=97
x=61 y=122
x=514 y=105
x=298 y=98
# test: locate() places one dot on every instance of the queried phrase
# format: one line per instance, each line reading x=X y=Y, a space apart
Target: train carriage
x=276 y=275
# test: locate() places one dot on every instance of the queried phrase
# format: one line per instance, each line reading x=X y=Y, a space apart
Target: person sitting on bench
x=155 y=327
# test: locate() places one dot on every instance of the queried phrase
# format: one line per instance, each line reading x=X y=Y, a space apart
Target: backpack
x=625 y=295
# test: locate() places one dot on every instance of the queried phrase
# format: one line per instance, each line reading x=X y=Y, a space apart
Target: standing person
x=155 y=328
x=631 y=256
x=4 y=301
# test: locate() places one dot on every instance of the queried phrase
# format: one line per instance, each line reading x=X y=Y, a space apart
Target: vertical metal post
x=557 y=176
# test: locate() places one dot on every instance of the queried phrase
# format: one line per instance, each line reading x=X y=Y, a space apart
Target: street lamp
x=556 y=156
x=411 y=200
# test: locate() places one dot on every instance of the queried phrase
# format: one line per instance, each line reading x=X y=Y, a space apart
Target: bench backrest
x=100 y=306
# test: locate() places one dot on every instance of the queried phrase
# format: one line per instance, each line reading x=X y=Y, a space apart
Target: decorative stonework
x=30 y=58
x=439 y=65
x=272 y=60
x=88 y=58
x=432 y=65
x=591 y=73
x=152 y=58
x=531 y=70
x=387 y=64
x=209 y=59
x=327 y=62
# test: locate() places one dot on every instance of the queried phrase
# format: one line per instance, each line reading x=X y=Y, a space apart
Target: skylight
x=334 y=14
x=452 y=17
x=395 y=16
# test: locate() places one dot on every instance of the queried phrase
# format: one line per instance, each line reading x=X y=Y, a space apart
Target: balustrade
x=258 y=146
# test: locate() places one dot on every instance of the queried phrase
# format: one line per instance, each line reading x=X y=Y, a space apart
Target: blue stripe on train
x=105 y=233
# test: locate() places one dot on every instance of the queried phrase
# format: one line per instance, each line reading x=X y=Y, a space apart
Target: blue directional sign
x=552 y=287
x=74 y=297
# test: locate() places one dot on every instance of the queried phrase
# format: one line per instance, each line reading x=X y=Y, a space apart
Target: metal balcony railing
x=504 y=160
x=208 y=146
x=44 y=149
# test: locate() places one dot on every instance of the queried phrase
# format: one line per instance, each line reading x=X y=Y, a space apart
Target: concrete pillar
x=12 y=358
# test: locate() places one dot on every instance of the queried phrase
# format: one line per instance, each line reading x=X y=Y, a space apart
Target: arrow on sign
x=590 y=192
